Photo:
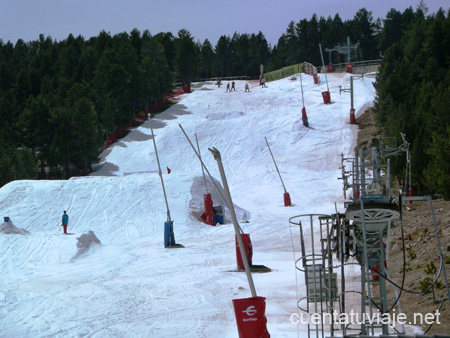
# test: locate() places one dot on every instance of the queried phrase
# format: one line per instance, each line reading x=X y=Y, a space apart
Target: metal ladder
x=317 y=266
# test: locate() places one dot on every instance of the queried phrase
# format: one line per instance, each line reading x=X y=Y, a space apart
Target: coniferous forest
x=59 y=100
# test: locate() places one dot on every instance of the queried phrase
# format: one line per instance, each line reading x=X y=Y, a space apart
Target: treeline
x=413 y=95
x=59 y=100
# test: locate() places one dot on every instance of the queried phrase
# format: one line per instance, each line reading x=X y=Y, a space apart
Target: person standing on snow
x=263 y=83
x=228 y=87
x=246 y=87
x=232 y=86
x=65 y=221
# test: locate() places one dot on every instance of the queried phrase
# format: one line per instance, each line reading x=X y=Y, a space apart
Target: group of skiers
x=233 y=85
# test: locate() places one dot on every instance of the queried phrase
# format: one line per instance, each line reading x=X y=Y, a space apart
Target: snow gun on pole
x=250 y=324
x=219 y=213
x=237 y=229
x=326 y=95
x=209 y=215
x=287 y=197
x=169 y=236
x=304 y=116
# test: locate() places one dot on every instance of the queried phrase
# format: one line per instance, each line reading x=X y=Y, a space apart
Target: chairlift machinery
x=345 y=49
x=360 y=237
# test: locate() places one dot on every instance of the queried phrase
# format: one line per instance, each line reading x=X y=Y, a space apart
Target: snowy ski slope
x=131 y=286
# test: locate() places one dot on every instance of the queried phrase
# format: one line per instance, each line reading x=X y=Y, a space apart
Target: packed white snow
x=9 y=228
x=130 y=285
x=86 y=242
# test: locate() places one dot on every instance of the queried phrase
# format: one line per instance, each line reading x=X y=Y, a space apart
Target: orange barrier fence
x=142 y=116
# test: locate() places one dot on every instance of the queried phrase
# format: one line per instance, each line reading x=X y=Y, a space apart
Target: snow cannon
x=349 y=68
x=248 y=251
x=316 y=78
x=326 y=97
x=352 y=116
x=169 y=236
x=208 y=216
x=219 y=214
x=250 y=317
x=287 y=200
x=330 y=69
x=304 y=117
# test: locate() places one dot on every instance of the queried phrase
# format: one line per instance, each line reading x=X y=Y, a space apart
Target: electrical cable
x=404 y=269
x=404 y=273
x=398 y=304
x=438 y=310
x=409 y=291
x=375 y=304
x=403 y=282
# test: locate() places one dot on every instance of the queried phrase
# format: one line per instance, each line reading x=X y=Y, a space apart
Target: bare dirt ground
x=420 y=247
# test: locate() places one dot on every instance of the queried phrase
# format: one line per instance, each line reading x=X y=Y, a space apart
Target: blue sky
x=204 y=19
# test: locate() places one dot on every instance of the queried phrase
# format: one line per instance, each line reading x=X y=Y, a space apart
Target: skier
x=263 y=83
x=246 y=87
x=228 y=87
x=65 y=221
x=232 y=86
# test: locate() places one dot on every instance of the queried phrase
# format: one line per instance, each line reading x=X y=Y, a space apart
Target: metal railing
x=341 y=67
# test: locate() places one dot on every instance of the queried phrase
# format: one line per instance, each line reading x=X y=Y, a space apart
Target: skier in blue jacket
x=65 y=221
